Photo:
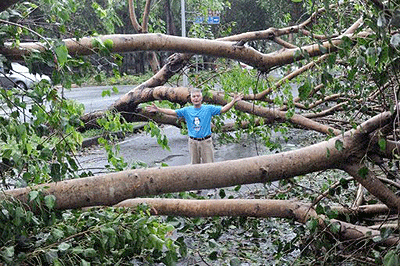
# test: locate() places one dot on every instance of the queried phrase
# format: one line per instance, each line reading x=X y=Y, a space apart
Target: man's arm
x=229 y=105
x=155 y=109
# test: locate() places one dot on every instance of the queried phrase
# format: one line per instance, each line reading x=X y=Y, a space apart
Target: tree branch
x=133 y=18
x=146 y=16
x=251 y=208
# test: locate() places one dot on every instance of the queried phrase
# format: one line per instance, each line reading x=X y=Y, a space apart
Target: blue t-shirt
x=198 y=120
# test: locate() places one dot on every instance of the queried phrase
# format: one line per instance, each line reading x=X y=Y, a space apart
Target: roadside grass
x=90 y=133
x=95 y=132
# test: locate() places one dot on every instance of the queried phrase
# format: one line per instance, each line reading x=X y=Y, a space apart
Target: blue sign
x=213 y=20
x=199 y=20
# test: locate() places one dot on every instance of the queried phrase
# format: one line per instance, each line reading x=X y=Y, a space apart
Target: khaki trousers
x=201 y=151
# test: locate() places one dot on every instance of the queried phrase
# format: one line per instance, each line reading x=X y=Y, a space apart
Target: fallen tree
x=112 y=188
x=285 y=209
x=351 y=98
x=348 y=156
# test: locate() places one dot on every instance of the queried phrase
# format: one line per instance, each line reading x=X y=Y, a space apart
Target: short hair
x=195 y=90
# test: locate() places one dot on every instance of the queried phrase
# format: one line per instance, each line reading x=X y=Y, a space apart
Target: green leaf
x=222 y=193
x=156 y=242
x=363 y=172
x=50 y=201
x=235 y=262
x=386 y=232
x=328 y=153
x=377 y=239
x=90 y=253
x=344 y=183
x=339 y=145
x=322 y=49
x=63 y=246
x=395 y=40
x=335 y=228
x=77 y=250
x=182 y=246
x=33 y=195
x=391 y=259
x=213 y=255
x=109 y=44
x=57 y=233
x=382 y=144
x=319 y=209
x=98 y=78
x=8 y=254
x=62 y=55
x=304 y=90
x=108 y=231
x=55 y=171
x=46 y=154
x=312 y=224
x=51 y=256
x=97 y=43
x=85 y=263
x=332 y=214
x=212 y=243
x=105 y=93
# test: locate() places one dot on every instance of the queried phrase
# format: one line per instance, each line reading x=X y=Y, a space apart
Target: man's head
x=196 y=97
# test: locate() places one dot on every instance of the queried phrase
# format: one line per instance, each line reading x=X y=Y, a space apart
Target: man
x=198 y=121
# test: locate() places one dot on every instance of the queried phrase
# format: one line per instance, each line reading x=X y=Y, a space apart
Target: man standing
x=198 y=120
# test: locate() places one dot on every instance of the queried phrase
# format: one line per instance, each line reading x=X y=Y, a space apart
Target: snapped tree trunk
x=286 y=209
x=109 y=189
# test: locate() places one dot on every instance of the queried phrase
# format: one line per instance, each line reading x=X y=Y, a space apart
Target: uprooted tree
x=348 y=91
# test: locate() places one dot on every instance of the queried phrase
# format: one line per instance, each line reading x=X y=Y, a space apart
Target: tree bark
x=157 y=42
x=363 y=210
x=6 y=4
x=252 y=208
x=110 y=189
x=225 y=207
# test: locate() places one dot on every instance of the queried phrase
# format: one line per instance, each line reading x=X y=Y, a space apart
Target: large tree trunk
x=157 y=42
x=171 y=29
x=6 y=4
x=286 y=209
x=109 y=189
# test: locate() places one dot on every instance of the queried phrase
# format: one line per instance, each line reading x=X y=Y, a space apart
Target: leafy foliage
x=155 y=131
x=37 y=133
x=44 y=236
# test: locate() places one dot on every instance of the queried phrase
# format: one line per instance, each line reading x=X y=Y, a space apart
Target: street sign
x=213 y=17
x=213 y=20
x=199 y=20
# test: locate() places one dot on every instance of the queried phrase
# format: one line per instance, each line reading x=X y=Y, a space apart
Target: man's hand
x=152 y=108
x=238 y=97
x=155 y=109
x=226 y=107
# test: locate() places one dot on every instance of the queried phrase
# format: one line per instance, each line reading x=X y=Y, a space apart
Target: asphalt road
x=141 y=147
x=92 y=97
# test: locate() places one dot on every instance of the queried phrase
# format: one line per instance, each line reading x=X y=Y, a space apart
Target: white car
x=19 y=76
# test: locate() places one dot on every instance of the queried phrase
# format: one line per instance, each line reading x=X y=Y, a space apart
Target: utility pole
x=183 y=22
